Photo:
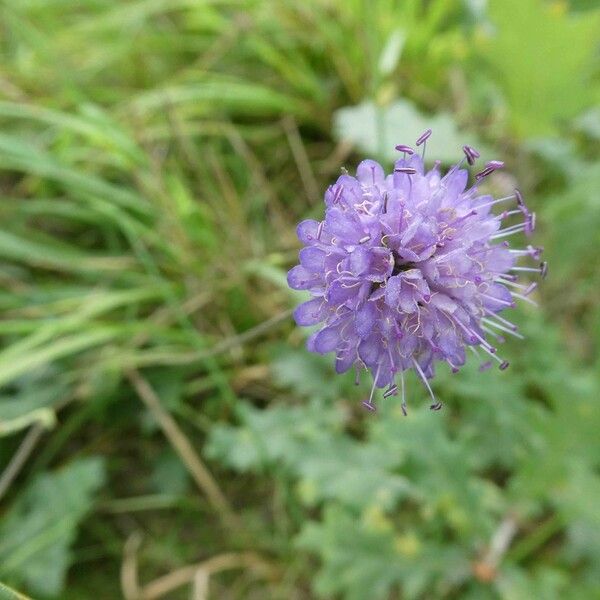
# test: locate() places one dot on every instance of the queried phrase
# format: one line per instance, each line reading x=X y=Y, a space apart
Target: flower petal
x=310 y=313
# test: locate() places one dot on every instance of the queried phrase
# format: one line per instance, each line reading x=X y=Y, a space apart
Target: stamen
x=530 y=223
x=437 y=405
x=532 y=286
x=454 y=368
x=498 y=300
x=500 y=338
x=506 y=214
x=527 y=289
x=424 y=137
x=471 y=154
x=338 y=193
x=512 y=326
x=492 y=202
x=519 y=197
x=525 y=298
x=364 y=239
x=368 y=404
x=534 y=251
x=403 y=397
x=502 y=328
x=490 y=167
x=404 y=148
x=391 y=391
x=542 y=269
x=509 y=231
x=509 y=277
x=494 y=356
x=423 y=140
x=407 y=170
x=442 y=257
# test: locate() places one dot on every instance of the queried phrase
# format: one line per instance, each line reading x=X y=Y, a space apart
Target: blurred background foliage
x=163 y=431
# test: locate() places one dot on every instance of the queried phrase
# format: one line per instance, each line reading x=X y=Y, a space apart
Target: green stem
x=538 y=537
x=7 y=593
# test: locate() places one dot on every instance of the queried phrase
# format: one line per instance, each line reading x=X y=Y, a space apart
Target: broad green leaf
x=37 y=531
x=542 y=57
x=376 y=130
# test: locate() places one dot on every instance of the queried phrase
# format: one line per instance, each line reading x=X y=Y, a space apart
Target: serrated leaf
x=37 y=531
x=376 y=130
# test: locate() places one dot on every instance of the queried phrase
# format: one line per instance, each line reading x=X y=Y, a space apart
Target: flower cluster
x=412 y=268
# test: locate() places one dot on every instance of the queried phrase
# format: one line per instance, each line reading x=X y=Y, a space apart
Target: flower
x=411 y=268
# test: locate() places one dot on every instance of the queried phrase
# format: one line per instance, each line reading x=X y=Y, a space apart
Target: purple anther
x=504 y=365
x=529 y=223
x=404 y=148
x=519 y=197
x=338 y=193
x=391 y=391
x=471 y=154
x=423 y=137
x=544 y=269
x=530 y=288
x=535 y=251
x=490 y=167
x=369 y=406
x=407 y=170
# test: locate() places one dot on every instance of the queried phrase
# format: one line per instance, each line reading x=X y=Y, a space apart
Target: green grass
x=155 y=157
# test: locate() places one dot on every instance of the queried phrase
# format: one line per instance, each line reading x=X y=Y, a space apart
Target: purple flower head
x=411 y=268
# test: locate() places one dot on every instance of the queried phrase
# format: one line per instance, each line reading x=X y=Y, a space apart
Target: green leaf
x=37 y=531
x=7 y=593
x=376 y=130
x=364 y=557
x=543 y=60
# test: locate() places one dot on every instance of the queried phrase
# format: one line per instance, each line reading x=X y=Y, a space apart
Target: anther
x=338 y=193
x=320 y=229
x=471 y=154
x=529 y=288
x=530 y=223
x=404 y=148
x=424 y=137
x=519 y=197
x=490 y=167
x=391 y=391
x=407 y=170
